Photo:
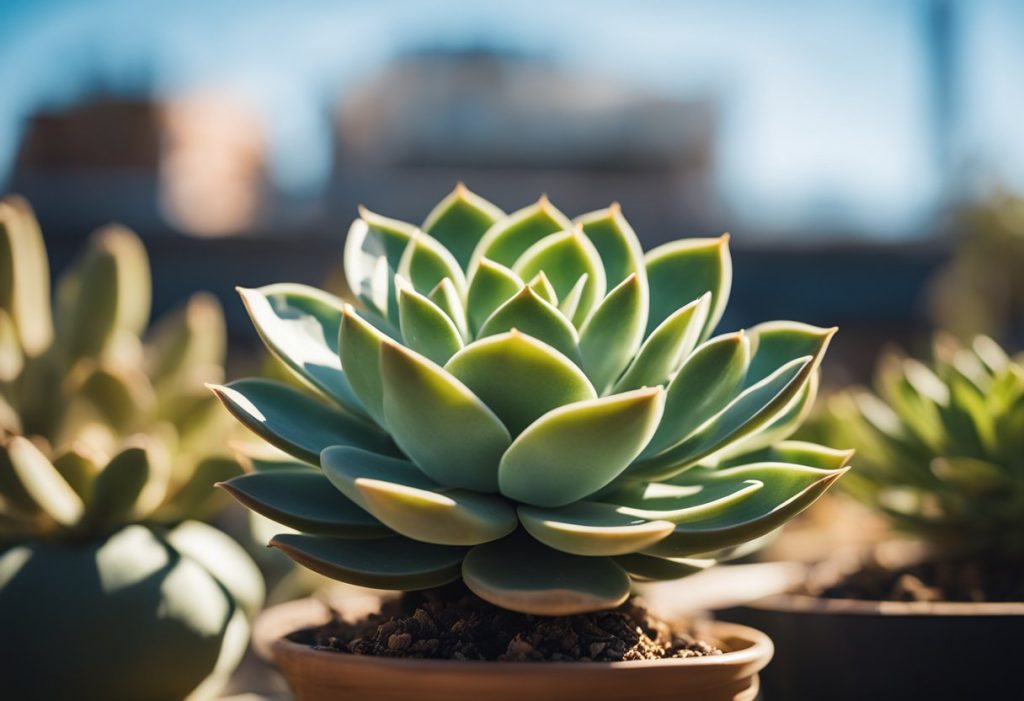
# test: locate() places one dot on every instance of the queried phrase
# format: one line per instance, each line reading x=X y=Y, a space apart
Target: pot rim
x=274 y=623
x=804 y=603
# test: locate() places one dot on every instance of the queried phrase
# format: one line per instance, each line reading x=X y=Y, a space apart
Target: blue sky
x=825 y=105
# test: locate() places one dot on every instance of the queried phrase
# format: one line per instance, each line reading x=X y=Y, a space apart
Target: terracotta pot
x=841 y=649
x=318 y=675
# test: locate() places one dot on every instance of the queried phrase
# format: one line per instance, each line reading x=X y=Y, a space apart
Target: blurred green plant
x=109 y=446
x=981 y=289
x=529 y=403
x=940 y=446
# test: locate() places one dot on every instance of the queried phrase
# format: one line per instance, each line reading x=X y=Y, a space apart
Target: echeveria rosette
x=941 y=445
x=530 y=403
x=108 y=448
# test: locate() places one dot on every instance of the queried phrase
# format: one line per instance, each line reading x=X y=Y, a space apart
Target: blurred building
x=512 y=126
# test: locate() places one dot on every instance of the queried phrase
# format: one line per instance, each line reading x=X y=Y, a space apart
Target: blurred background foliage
x=864 y=155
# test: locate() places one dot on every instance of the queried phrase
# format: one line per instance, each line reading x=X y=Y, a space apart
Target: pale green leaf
x=490 y=286
x=460 y=220
x=509 y=238
x=528 y=313
x=612 y=335
x=592 y=528
x=682 y=271
x=617 y=244
x=426 y=329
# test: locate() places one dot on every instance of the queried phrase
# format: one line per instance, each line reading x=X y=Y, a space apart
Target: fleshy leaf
x=553 y=583
x=704 y=385
x=577 y=449
x=592 y=528
x=425 y=327
x=519 y=378
x=381 y=563
x=798 y=452
x=752 y=409
x=666 y=347
x=40 y=481
x=542 y=286
x=528 y=313
x=78 y=468
x=656 y=569
x=446 y=297
x=304 y=500
x=460 y=220
x=490 y=286
x=295 y=422
x=611 y=336
x=656 y=501
x=570 y=304
x=788 y=490
x=359 y=348
x=411 y=504
x=195 y=498
x=373 y=249
x=509 y=238
x=439 y=423
x=617 y=244
x=426 y=262
x=24 y=276
x=682 y=271
x=564 y=257
x=776 y=343
x=118 y=487
x=300 y=326
x=12 y=360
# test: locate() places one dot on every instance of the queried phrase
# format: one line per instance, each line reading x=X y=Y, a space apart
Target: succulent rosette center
x=530 y=403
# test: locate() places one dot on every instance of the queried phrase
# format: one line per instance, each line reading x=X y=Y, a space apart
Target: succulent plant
x=529 y=403
x=941 y=446
x=108 y=447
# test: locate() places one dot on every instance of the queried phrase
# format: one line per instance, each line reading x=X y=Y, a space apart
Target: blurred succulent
x=529 y=403
x=981 y=290
x=941 y=446
x=107 y=447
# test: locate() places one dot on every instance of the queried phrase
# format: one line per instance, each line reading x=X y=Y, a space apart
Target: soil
x=452 y=623
x=962 y=579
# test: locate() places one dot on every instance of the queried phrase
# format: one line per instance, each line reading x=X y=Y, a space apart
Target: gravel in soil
x=451 y=623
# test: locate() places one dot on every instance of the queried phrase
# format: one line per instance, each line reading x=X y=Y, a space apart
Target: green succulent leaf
x=490 y=286
x=553 y=583
x=656 y=501
x=707 y=381
x=304 y=500
x=684 y=270
x=121 y=394
x=38 y=480
x=108 y=292
x=612 y=335
x=665 y=349
x=300 y=325
x=426 y=262
x=117 y=488
x=577 y=449
x=24 y=276
x=528 y=313
x=79 y=469
x=460 y=220
x=752 y=409
x=787 y=490
x=373 y=250
x=519 y=378
x=565 y=257
x=425 y=327
x=428 y=411
x=798 y=452
x=656 y=569
x=382 y=563
x=189 y=344
x=413 y=505
x=570 y=305
x=542 y=286
x=509 y=238
x=617 y=244
x=359 y=346
x=446 y=297
x=295 y=422
x=592 y=528
x=12 y=360
x=776 y=343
